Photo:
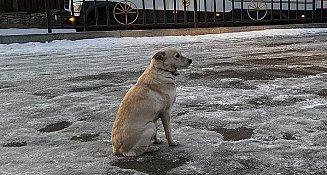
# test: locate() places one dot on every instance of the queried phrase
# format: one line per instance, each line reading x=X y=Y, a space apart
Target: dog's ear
x=159 y=55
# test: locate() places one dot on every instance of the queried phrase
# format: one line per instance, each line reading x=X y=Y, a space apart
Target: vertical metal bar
x=15 y=6
x=224 y=10
x=321 y=9
x=297 y=9
x=288 y=10
x=272 y=10
x=31 y=5
x=36 y=5
x=205 y=12
x=107 y=13
x=175 y=12
x=280 y=9
x=84 y=16
x=73 y=13
x=96 y=14
x=165 y=12
x=154 y=12
x=305 y=8
x=72 y=7
x=313 y=10
x=233 y=9
x=185 y=12
x=25 y=5
x=46 y=3
x=214 y=10
x=196 y=25
x=242 y=4
x=60 y=14
x=144 y=14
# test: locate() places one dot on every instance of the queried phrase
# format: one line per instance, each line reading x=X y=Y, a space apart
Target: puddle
x=238 y=84
x=323 y=93
x=45 y=94
x=253 y=103
x=15 y=144
x=5 y=86
x=56 y=126
x=150 y=165
x=288 y=136
x=258 y=73
x=268 y=101
x=89 y=88
x=263 y=100
x=232 y=107
x=114 y=77
x=248 y=166
x=85 y=137
x=181 y=113
x=280 y=44
x=236 y=134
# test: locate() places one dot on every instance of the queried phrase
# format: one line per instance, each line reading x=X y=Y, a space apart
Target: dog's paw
x=172 y=143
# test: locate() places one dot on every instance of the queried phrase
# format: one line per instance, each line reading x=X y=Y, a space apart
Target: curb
x=8 y=39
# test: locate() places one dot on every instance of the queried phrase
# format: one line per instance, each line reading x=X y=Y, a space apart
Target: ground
x=251 y=103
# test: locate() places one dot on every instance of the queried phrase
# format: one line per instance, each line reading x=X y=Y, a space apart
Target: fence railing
x=141 y=14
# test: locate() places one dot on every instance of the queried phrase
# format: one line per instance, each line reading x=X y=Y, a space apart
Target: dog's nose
x=189 y=61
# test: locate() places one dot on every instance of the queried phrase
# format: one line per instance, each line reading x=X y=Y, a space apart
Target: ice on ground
x=250 y=103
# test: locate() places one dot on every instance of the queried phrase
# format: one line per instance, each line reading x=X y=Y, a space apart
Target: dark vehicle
x=140 y=14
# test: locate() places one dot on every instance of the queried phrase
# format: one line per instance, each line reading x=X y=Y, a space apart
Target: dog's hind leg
x=154 y=139
x=142 y=145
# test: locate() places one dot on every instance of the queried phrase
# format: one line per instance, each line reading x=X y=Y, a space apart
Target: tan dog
x=148 y=100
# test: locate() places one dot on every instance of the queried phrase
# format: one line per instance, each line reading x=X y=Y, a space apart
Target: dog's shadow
x=155 y=163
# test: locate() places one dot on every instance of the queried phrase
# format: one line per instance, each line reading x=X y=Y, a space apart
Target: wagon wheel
x=257 y=10
x=125 y=12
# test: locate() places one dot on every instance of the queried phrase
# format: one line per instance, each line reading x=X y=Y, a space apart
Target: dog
x=150 y=99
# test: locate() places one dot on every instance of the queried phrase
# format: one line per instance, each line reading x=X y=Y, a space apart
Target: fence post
x=196 y=25
x=185 y=11
x=165 y=11
x=96 y=13
x=313 y=10
x=144 y=14
x=15 y=5
x=205 y=12
x=84 y=16
x=154 y=12
x=46 y=3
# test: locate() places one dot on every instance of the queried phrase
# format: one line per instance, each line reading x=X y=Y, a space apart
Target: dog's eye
x=177 y=56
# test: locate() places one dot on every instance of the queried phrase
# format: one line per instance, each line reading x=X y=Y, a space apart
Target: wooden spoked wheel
x=257 y=10
x=125 y=12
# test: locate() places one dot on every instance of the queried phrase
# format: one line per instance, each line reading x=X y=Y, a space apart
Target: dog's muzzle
x=189 y=61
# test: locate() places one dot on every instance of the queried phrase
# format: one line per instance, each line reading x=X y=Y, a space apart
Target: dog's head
x=170 y=59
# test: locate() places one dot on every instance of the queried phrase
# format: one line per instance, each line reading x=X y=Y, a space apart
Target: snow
x=272 y=81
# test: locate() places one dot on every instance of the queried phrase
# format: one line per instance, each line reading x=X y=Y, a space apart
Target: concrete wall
x=22 y=19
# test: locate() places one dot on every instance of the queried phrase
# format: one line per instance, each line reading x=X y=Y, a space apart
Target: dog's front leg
x=165 y=118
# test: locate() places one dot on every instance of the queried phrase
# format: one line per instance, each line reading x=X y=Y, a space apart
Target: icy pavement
x=251 y=103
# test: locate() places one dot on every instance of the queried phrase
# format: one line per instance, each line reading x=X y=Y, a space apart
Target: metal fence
x=143 y=14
